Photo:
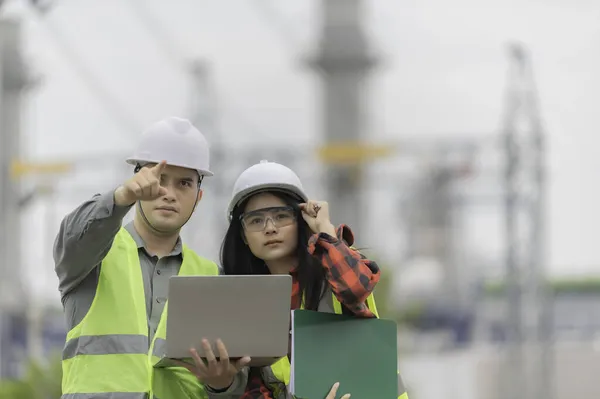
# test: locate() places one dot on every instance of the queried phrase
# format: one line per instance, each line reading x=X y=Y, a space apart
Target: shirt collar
x=177 y=250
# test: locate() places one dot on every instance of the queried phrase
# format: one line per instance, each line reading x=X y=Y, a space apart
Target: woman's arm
x=351 y=275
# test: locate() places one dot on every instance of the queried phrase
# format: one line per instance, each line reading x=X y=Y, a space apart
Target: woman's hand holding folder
x=333 y=392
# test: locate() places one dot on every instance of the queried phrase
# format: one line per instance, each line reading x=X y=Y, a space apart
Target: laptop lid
x=251 y=315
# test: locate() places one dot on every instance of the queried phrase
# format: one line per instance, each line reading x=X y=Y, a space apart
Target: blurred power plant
x=492 y=328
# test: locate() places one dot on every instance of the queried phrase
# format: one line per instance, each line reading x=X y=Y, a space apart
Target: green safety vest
x=106 y=355
x=282 y=369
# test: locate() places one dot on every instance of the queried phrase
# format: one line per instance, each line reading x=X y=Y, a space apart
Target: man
x=113 y=280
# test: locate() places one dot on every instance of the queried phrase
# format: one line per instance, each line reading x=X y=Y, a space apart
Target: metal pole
x=523 y=107
x=344 y=61
x=514 y=367
x=4 y=187
x=13 y=80
x=544 y=305
x=545 y=302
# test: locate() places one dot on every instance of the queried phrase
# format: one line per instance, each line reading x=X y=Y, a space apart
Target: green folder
x=360 y=354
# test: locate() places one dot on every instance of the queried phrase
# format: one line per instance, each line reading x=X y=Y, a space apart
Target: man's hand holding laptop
x=217 y=374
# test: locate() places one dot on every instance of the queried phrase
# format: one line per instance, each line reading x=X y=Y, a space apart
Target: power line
x=161 y=36
x=282 y=29
x=115 y=109
x=170 y=48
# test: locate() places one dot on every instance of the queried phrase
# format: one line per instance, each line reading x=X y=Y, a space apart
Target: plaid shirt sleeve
x=351 y=275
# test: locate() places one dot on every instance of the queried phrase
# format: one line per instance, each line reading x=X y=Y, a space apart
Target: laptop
x=251 y=315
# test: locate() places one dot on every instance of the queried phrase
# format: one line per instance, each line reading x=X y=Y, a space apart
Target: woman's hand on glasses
x=316 y=215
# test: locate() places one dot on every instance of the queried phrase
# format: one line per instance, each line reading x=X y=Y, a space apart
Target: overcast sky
x=444 y=72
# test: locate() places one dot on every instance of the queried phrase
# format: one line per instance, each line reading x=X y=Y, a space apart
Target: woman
x=275 y=229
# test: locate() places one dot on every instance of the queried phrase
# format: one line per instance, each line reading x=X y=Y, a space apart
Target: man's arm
x=85 y=237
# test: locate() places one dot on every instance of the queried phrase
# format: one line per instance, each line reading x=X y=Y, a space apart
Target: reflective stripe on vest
x=282 y=369
x=177 y=382
x=105 y=345
x=106 y=354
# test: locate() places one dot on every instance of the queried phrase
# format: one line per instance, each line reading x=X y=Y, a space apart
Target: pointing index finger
x=158 y=168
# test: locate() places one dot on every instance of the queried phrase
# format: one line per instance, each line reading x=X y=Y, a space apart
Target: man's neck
x=156 y=243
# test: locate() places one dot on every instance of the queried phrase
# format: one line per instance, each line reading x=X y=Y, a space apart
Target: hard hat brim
x=136 y=161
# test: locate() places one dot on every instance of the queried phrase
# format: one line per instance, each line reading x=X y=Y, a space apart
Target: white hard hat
x=265 y=176
x=176 y=141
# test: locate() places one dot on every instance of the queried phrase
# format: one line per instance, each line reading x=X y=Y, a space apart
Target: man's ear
x=200 y=192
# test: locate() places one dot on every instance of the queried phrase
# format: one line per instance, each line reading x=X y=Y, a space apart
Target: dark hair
x=237 y=259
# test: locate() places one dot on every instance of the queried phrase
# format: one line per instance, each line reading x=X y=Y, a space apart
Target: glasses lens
x=257 y=220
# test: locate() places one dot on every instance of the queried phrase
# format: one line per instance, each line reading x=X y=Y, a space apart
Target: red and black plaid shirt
x=351 y=277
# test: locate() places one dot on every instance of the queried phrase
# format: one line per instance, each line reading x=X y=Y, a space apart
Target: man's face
x=173 y=209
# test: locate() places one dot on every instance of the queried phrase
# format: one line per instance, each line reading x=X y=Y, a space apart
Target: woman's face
x=270 y=227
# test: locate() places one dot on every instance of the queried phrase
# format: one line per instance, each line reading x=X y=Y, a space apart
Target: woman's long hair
x=237 y=259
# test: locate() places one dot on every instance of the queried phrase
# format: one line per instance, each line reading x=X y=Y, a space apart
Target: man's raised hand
x=143 y=186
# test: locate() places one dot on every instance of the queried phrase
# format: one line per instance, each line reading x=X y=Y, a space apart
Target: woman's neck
x=281 y=266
